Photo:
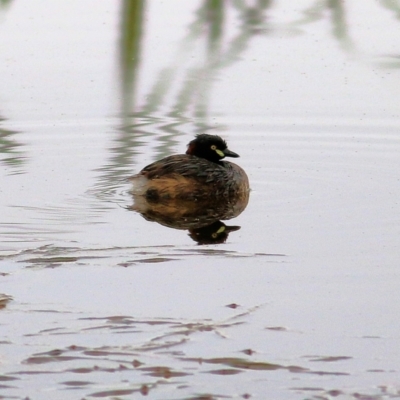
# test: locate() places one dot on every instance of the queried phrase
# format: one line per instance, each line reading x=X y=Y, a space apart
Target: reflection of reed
x=392 y=61
x=209 y=26
x=336 y=8
x=392 y=5
x=5 y=3
x=339 y=25
x=131 y=40
x=8 y=147
x=126 y=144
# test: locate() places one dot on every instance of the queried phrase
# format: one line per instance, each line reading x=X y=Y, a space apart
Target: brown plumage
x=199 y=174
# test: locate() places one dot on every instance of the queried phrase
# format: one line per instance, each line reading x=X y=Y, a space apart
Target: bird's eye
x=213 y=147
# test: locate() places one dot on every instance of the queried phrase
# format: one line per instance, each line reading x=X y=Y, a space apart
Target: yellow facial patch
x=220 y=230
x=220 y=153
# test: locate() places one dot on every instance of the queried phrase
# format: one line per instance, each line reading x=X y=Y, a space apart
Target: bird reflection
x=215 y=233
x=201 y=218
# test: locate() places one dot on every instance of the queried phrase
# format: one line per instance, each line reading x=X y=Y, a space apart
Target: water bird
x=199 y=175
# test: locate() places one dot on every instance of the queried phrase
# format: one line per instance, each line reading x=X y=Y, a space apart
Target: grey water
x=301 y=302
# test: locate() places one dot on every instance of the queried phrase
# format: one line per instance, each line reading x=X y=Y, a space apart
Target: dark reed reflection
x=10 y=154
x=201 y=218
x=132 y=19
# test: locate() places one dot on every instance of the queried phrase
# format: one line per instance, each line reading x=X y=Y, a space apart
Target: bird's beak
x=229 y=153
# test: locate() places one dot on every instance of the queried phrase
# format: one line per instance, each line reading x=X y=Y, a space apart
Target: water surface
x=301 y=301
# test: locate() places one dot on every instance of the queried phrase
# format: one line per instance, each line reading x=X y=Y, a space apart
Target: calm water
x=302 y=302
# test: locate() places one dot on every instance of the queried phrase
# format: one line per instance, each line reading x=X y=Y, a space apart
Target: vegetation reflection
x=9 y=153
x=336 y=11
x=9 y=147
x=178 y=99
